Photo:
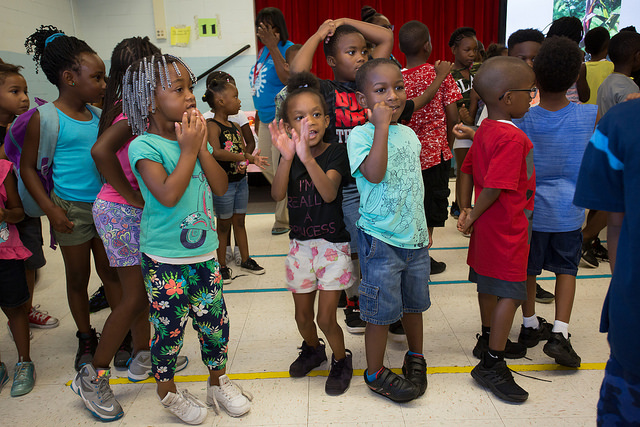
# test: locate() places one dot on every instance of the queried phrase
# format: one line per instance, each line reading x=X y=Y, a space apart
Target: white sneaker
x=229 y=255
x=185 y=406
x=237 y=256
x=139 y=367
x=232 y=397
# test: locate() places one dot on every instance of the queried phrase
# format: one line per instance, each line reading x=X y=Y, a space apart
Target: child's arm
x=104 y=155
x=584 y=91
x=258 y=160
x=485 y=199
x=168 y=189
x=451 y=112
x=461 y=131
x=248 y=138
x=13 y=211
x=468 y=116
x=287 y=149
x=374 y=166
x=379 y=36
x=220 y=153
x=304 y=59
x=443 y=68
x=28 y=160
x=267 y=36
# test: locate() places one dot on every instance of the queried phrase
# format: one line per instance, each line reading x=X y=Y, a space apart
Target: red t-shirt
x=430 y=122
x=502 y=157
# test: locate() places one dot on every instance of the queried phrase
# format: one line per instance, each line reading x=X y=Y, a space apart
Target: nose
x=393 y=95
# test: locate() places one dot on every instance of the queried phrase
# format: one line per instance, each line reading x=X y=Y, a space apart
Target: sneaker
x=512 y=350
x=279 y=230
x=251 y=266
x=308 y=358
x=86 y=348
x=342 y=302
x=414 y=369
x=24 y=379
x=455 y=210
x=229 y=255
x=139 y=367
x=396 y=331
x=124 y=353
x=600 y=251
x=542 y=296
x=437 y=267
x=393 y=386
x=561 y=350
x=98 y=300
x=226 y=272
x=41 y=319
x=236 y=256
x=339 y=375
x=4 y=375
x=530 y=337
x=185 y=406
x=11 y=333
x=96 y=393
x=355 y=325
x=232 y=397
x=588 y=256
x=499 y=380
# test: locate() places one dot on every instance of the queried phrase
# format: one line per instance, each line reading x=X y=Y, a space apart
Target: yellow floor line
x=360 y=372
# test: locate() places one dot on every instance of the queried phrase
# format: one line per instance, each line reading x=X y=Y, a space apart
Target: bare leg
x=375 y=344
x=77 y=270
x=460 y=154
x=501 y=322
x=565 y=293
x=487 y=305
x=240 y=233
x=596 y=222
x=19 y=324
x=529 y=306
x=304 y=312
x=327 y=307
x=412 y=324
x=214 y=375
x=224 y=227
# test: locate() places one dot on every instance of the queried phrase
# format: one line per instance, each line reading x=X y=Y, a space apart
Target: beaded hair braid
x=139 y=84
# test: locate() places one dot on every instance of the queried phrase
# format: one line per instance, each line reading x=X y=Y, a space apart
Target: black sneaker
x=342 y=302
x=600 y=251
x=561 y=350
x=455 y=210
x=499 y=380
x=98 y=300
x=124 y=353
x=393 y=386
x=251 y=266
x=437 y=267
x=542 y=296
x=530 y=337
x=308 y=358
x=588 y=256
x=86 y=348
x=414 y=369
x=355 y=325
x=226 y=272
x=396 y=331
x=512 y=350
x=339 y=375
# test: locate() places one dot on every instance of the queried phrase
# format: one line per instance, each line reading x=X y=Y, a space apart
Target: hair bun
x=367 y=12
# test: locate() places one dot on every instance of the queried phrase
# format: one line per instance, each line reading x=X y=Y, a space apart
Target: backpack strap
x=49 y=129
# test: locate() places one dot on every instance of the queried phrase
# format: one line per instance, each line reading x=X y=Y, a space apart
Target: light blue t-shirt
x=186 y=229
x=393 y=209
x=559 y=139
x=265 y=83
x=74 y=173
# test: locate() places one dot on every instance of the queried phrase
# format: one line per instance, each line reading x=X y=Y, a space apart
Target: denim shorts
x=555 y=252
x=234 y=201
x=351 y=213
x=394 y=280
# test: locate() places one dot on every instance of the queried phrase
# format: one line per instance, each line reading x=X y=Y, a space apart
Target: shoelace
x=21 y=372
x=104 y=390
x=87 y=343
x=188 y=400
x=39 y=314
x=231 y=391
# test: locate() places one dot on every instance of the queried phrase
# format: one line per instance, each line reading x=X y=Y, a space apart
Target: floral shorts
x=318 y=264
x=118 y=226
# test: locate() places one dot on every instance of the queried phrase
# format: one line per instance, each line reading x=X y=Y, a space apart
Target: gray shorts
x=80 y=213
x=497 y=287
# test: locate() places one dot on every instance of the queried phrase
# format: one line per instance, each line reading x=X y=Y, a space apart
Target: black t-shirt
x=310 y=217
x=231 y=140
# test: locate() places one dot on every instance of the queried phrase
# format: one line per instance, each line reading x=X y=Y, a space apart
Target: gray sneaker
x=140 y=366
x=95 y=392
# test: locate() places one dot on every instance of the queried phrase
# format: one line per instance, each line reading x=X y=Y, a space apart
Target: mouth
x=313 y=134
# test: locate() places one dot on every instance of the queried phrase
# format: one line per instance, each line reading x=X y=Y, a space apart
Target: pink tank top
x=11 y=246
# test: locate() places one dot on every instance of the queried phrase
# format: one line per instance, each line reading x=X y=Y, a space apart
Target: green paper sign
x=208 y=27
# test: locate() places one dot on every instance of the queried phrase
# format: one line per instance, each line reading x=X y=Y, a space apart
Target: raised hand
x=380 y=115
x=191 y=132
x=281 y=140
x=268 y=35
x=463 y=132
x=443 y=68
x=260 y=161
x=302 y=141
x=327 y=29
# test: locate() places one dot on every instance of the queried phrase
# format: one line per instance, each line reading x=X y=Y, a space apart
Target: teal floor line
x=452 y=248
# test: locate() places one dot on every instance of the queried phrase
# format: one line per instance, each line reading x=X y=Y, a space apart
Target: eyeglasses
x=532 y=92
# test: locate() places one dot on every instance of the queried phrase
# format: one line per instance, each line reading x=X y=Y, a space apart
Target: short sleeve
x=506 y=160
x=358 y=146
x=450 y=91
x=142 y=148
x=338 y=160
x=240 y=118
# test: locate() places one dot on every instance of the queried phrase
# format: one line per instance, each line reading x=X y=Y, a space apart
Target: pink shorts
x=318 y=264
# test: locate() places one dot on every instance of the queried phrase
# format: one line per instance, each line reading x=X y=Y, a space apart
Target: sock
x=486 y=330
x=562 y=327
x=372 y=377
x=531 y=322
x=101 y=372
x=413 y=353
x=493 y=357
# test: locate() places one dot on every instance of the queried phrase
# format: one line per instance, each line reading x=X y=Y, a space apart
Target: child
x=282 y=95
x=384 y=157
x=572 y=28
x=14 y=293
x=610 y=164
x=624 y=52
x=230 y=151
x=13 y=96
x=319 y=257
x=596 y=43
x=431 y=123
x=559 y=131
x=78 y=73
x=500 y=167
x=182 y=280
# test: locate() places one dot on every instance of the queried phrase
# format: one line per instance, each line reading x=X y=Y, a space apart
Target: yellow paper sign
x=180 y=36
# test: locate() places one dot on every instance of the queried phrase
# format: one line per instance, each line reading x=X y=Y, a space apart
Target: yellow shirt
x=596 y=73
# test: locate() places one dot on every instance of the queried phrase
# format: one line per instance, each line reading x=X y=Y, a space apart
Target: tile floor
x=264 y=340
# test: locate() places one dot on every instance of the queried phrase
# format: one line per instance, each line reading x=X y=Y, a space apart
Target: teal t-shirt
x=186 y=229
x=392 y=210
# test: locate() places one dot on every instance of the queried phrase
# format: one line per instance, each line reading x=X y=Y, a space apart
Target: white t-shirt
x=240 y=118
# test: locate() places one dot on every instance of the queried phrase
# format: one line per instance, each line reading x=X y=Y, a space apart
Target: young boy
x=384 y=158
x=560 y=131
x=432 y=124
x=596 y=43
x=624 y=51
x=500 y=166
x=610 y=164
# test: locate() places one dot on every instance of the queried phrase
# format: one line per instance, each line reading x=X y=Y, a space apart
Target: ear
x=327 y=120
x=331 y=61
x=68 y=78
x=287 y=128
x=362 y=100
x=427 y=48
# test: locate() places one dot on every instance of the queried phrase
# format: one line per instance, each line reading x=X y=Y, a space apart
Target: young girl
x=14 y=293
x=177 y=174
x=464 y=46
x=311 y=172
x=230 y=150
x=78 y=72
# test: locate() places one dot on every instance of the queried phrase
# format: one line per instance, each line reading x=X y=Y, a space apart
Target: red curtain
x=441 y=16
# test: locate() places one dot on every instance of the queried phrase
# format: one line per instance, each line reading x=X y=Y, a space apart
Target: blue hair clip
x=52 y=37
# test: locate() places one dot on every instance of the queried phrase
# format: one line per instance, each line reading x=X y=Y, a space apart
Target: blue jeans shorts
x=351 y=213
x=394 y=280
x=558 y=253
x=234 y=201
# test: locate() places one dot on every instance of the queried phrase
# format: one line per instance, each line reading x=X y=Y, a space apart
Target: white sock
x=559 y=326
x=531 y=322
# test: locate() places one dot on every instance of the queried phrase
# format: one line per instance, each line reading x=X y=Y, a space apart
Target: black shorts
x=436 y=193
x=13 y=283
x=498 y=287
x=30 y=230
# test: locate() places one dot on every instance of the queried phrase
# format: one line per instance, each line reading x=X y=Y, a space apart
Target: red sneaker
x=41 y=319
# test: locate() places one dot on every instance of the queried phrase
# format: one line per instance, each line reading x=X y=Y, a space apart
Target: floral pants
x=177 y=292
